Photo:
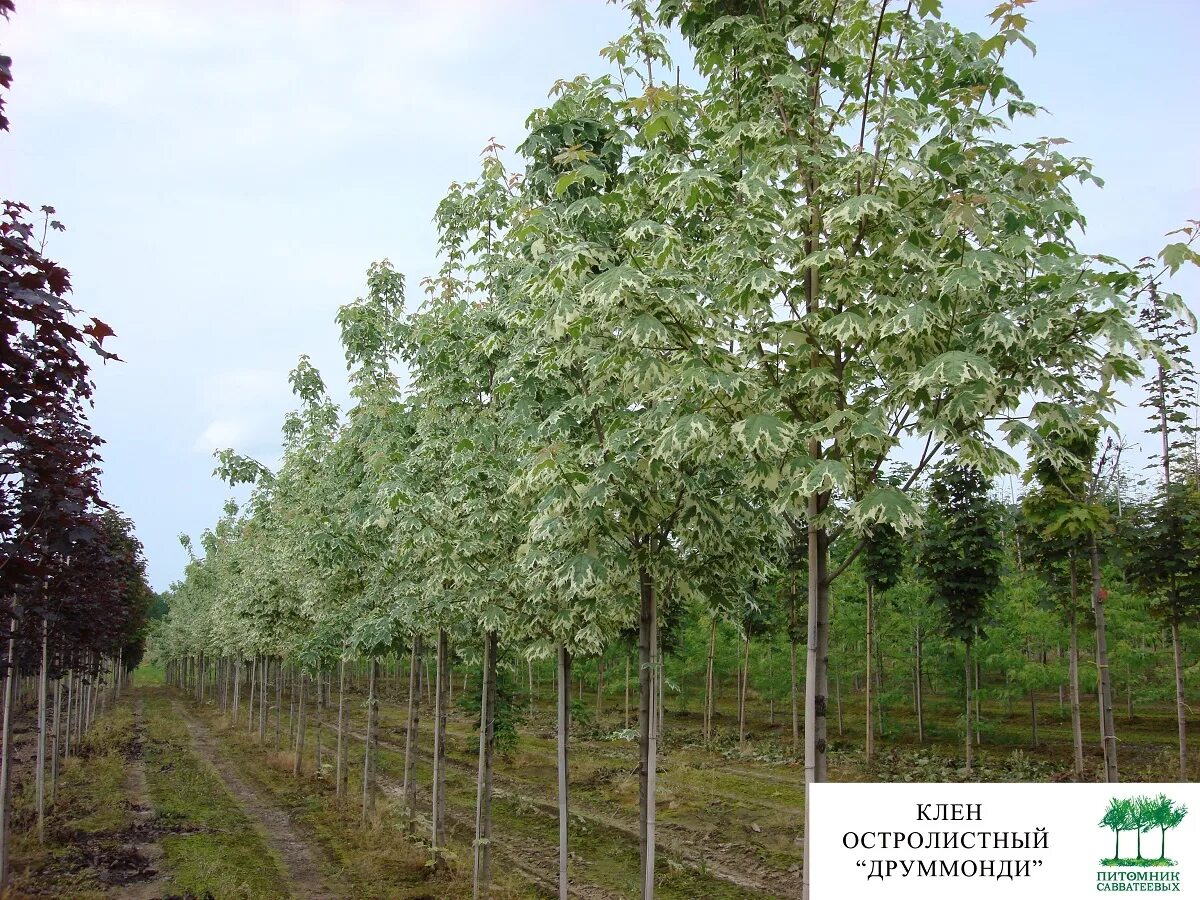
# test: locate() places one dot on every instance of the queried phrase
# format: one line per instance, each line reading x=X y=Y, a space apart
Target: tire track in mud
x=297 y=854
x=146 y=851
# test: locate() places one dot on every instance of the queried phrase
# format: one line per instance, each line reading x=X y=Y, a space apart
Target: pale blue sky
x=227 y=171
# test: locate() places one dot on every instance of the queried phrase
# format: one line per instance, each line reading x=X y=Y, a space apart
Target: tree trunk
x=816 y=679
x=1109 y=734
x=237 y=690
x=368 y=781
x=262 y=703
x=599 y=688
x=978 y=717
x=487 y=745
x=438 y=817
x=627 y=692
x=298 y=761
x=1180 y=705
x=57 y=740
x=1073 y=677
x=708 y=681
x=648 y=652
x=919 y=692
x=743 y=690
x=411 y=732
x=870 y=652
x=837 y=688
x=70 y=707
x=250 y=699
x=341 y=766
x=41 y=741
x=320 y=726
x=1033 y=716
x=10 y=678
x=967 y=682
x=660 y=707
x=564 y=733
x=279 y=703
x=793 y=630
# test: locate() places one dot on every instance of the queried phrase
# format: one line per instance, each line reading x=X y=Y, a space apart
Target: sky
x=228 y=170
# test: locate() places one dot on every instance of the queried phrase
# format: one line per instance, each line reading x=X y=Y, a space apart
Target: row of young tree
x=74 y=601
x=706 y=347
x=1140 y=815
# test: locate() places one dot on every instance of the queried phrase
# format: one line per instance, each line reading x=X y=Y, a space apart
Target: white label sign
x=1034 y=841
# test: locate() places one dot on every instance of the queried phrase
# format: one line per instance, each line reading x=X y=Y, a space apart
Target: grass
x=374 y=862
x=215 y=847
x=747 y=800
x=83 y=823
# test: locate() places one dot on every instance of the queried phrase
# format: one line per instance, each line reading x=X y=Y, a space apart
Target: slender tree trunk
x=599 y=687
x=279 y=704
x=41 y=744
x=368 y=797
x=1106 y=710
x=967 y=682
x=771 y=686
x=57 y=740
x=870 y=653
x=978 y=717
x=627 y=692
x=837 y=688
x=648 y=650
x=1180 y=705
x=437 y=836
x=341 y=767
x=320 y=725
x=793 y=630
x=743 y=690
x=1073 y=676
x=262 y=703
x=250 y=699
x=10 y=679
x=70 y=707
x=298 y=760
x=564 y=733
x=237 y=690
x=487 y=745
x=917 y=683
x=816 y=683
x=708 y=681
x=411 y=734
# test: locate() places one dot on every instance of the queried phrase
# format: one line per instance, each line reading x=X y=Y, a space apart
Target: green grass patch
x=374 y=862
x=217 y=848
x=82 y=822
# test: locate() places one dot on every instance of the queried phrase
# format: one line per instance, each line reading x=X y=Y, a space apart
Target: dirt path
x=298 y=857
x=147 y=881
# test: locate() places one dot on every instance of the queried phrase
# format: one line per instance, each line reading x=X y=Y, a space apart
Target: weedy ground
x=169 y=798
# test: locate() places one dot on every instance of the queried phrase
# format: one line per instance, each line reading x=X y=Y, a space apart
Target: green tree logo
x=1141 y=815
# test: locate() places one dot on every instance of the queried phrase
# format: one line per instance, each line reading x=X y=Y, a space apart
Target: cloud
x=242 y=407
x=221 y=434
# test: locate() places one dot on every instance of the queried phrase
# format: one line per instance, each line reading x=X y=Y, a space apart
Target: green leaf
x=854 y=210
x=825 y=475
x=886 y=505
x=763 y=434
